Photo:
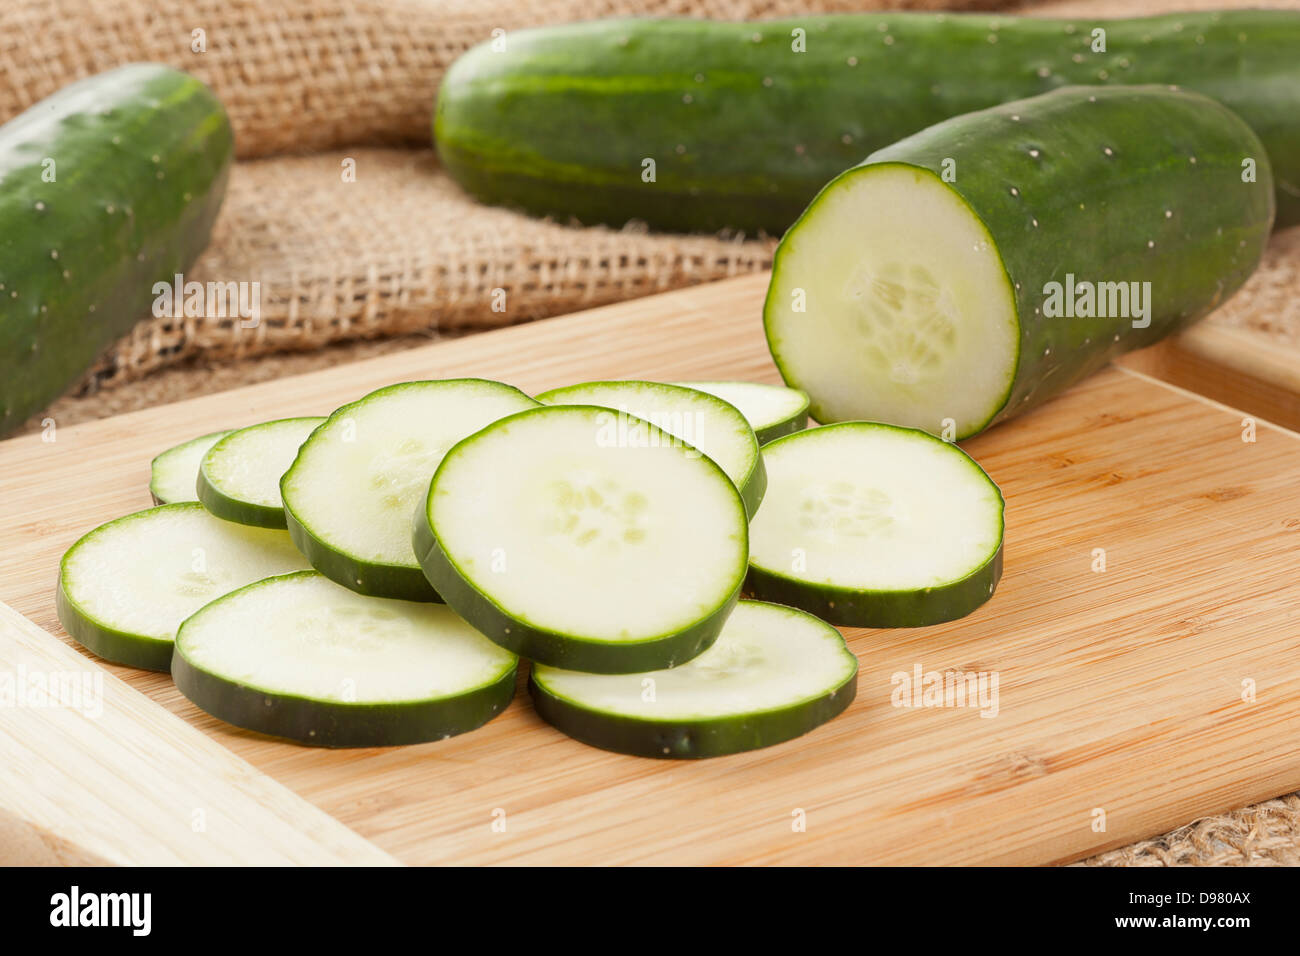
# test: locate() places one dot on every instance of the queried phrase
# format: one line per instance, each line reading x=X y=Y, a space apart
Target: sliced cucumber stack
x=569 y=543
x=771 y=410
x=125 y=587
x=298 y=656
x=173 y=472
x=874 y=525
x=704 y=421
x=239 y=477
x=773 y=674
x=350 y=493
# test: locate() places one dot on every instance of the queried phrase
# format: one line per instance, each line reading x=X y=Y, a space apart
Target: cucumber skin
x=548 y=647
x=1203 y=253
x=240 y=512
x=850 y=607
x=113 y=258
x=690 y=739
x=153 y=465
x=364 y=577
x=781 y=429
x=561 y=122
x=112 y=645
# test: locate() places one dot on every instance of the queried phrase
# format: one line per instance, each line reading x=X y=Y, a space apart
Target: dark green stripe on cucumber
x=974 y=270
x=689 y=124
x=106 y=188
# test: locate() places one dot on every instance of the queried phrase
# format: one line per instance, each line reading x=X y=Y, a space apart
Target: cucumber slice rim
x=699 y=736
x=345 y=567
x=543 y=644
x=849 y=606
x=335 y=723
x=226 y=504
x=752 y=484
x=844 y=181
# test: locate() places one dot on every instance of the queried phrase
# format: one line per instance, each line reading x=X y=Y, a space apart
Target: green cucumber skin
x=119 y=219
x=848 y=607
x=548 y=647
x=109 y=643
x=690 y=739
x=560 y=123
x=329 y=724
x=1078 y=210
x=240 y=512
x=364 y=577
x=781 y=429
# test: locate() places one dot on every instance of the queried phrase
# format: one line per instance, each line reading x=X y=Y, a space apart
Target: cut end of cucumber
x=889 y=302
x=239 y=477
x=173 y=472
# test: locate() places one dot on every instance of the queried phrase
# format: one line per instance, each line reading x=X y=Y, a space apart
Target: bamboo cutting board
x=1132 y=697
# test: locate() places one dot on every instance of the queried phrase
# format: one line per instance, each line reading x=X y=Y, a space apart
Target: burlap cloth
x=351 y=269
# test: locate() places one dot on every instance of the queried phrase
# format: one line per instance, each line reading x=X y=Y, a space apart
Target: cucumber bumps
x=107 y=187
x=974 y=270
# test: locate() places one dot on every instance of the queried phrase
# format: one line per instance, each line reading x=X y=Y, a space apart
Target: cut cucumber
x=704 y=421
x=771 y=410
x=773 y=674
x=172 y=474
x=125 y=587
x=946 y=313
x=576 y=543
x=300 y=657
x=239 y=477
x=873 y=525
x=350 y=493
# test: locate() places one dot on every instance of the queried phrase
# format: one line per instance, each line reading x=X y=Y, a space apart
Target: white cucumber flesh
x=774 y=673
x=771 y=410
x=239 y=477
x=301 y=657
x=173 y=473
x=350 y=493
x=876 y=526
x=125 y=587
x=568 y=543
x=704 y=421
x=914 y=324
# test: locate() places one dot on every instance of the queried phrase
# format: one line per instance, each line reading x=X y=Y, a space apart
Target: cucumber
x=947 y=313
x=106 y=187
x=771 y=410
x=774 y=674
x=297 y=656
x=745 y=122
x=872 y=525
x=173 y=473
x=575 y=543
x=706 y=422
x=125 y=587
x=239 y=476
x=349 y=495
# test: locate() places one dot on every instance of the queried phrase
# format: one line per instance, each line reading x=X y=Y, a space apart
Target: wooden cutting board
x=1130 y=699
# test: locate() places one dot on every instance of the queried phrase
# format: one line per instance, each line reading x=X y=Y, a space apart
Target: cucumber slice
x=239 y=477
x=172 y=473
x=349 y=495
x=773 y=674
x=874 y=525
x=300 y=657
x=705 y=421
x=125 y=587
x=569 y=544
x=771 y=410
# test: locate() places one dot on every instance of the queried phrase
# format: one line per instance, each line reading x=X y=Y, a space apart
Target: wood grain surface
x=1130 y=699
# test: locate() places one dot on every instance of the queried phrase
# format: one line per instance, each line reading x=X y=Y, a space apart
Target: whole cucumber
x=976 y=269
x=106 y=187
x=697 y=125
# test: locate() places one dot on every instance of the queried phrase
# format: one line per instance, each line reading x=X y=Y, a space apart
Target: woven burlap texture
x=314 y=74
